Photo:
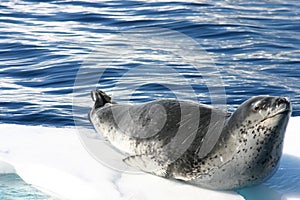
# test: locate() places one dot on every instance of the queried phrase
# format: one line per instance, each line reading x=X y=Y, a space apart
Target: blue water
x=255 y=47
x=13 y=188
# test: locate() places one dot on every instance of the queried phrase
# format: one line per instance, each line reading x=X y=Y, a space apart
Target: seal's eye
x=256 y=108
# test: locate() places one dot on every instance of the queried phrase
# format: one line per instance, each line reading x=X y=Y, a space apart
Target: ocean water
x=13 y=187
x=52 y=53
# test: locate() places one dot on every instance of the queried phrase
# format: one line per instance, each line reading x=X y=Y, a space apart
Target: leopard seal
x=245 y=152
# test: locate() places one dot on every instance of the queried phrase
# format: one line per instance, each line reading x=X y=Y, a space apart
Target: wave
x=54 y=161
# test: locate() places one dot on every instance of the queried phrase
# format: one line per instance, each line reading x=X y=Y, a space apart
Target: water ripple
x=255 y=46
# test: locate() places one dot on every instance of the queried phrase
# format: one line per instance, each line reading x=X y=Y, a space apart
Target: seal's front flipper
x=146 y=163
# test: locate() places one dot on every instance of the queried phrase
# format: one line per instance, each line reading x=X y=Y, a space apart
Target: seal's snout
x=283 y=103
x=282 y=100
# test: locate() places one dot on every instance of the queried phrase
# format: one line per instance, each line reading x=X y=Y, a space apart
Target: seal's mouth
x=285 y=111
x=282 y=107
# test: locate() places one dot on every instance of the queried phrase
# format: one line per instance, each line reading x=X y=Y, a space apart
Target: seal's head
x=264 y=110
x=255 y=136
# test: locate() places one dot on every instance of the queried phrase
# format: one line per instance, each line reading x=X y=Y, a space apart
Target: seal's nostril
x=282 y=100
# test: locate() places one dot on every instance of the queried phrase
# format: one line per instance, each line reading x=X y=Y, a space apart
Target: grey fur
x=196 y=143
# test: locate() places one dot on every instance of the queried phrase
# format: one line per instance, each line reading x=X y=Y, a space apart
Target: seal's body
x=195 y=143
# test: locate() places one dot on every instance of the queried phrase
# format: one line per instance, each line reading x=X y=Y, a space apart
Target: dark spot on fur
x=264 y=161
x=259 y=149
x=261 y=142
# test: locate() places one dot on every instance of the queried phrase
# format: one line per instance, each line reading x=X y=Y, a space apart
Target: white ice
x=54 y=161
